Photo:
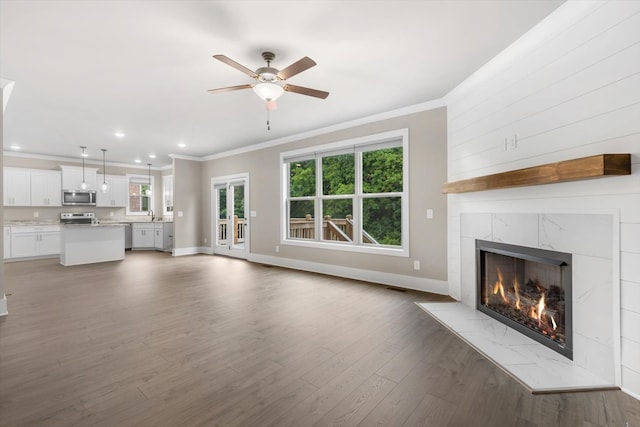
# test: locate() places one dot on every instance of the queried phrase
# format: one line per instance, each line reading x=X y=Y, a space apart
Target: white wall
x=567 y=89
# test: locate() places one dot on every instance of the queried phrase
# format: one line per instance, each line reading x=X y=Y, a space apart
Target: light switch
x=180 y=213
x=429 y=213
x=254 y=214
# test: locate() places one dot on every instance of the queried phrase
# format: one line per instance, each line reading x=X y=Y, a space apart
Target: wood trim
x=569 y=170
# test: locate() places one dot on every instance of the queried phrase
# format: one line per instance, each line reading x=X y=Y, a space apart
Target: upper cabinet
x=46 y=188
x=17 y=187
x=167 y=194
x=32 y=187
x=117 y=191
x=72 y=177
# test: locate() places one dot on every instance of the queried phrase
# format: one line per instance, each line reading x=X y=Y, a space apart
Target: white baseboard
x=187 y=251
x=192 y=251
x=399 y=280
x=3 y=306
x=630 y=393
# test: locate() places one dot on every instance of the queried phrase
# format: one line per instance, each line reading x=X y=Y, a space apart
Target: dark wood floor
x=204 y=340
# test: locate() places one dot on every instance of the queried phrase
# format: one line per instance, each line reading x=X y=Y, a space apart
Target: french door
x=230 y=219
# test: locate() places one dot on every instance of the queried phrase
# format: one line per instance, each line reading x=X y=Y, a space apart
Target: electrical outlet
x=254 y=214
x=277 y=248
x=110 y=213
x=180 y=213
x=36 y=214
x=416 y=265
x=205 y=239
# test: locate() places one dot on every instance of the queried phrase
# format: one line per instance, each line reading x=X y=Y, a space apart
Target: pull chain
x=270 y=105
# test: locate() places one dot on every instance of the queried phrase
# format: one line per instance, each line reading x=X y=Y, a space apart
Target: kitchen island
x=91 y=243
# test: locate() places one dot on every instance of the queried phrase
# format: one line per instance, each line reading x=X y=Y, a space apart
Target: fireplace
x=528 y=289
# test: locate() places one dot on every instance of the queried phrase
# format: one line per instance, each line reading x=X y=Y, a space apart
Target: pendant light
x=104 y=187
x=149 y=190
x=83 y=184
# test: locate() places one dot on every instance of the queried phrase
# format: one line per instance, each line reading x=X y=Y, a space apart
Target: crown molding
x=75 y=160
x=404 y=111
x=183 y=157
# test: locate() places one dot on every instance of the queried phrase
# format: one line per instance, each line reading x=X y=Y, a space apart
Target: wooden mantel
x=569 y=170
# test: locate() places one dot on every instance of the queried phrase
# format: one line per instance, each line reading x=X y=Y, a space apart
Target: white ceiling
x=86 y=69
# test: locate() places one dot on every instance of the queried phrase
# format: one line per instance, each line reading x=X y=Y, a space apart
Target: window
x=140 y=200
x=167 y=194
x=350 y=195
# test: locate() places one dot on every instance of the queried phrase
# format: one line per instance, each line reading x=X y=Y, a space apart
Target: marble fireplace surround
x=592 y=239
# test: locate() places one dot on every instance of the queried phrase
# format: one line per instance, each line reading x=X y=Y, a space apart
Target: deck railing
x=334 y=229
x=239 y=227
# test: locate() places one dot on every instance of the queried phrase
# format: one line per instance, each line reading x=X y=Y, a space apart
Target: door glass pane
x=382 y=221
x=221 y=217
x=239 y=220
x=301 y=224
x=337 y=220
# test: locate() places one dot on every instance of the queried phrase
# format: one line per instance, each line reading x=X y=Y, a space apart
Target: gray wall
x=427 y=172
x=1 y=198
x=187 y=188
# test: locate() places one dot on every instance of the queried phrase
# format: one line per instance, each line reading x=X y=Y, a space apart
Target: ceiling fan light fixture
x=268 y=91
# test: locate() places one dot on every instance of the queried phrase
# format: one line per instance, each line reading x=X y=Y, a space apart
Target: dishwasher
x=128 y=238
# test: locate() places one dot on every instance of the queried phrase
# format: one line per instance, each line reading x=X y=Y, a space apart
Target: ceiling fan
x=268 y=79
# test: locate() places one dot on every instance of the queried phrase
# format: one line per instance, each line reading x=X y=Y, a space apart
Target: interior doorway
x=230 y=225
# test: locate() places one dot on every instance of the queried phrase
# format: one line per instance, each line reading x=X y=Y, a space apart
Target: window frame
x=137 y=179
x=394 y=138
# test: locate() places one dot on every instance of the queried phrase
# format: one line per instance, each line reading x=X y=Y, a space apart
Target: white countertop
x=92 y=225
x=19 y=223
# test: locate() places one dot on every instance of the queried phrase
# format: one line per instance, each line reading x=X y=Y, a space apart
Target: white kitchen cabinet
x=17 y=187
x=158 y=236
x=143 y=236
x=72 y=177
x=46 y=188
x=117 y=191
x=7 y=242
x=34 y=241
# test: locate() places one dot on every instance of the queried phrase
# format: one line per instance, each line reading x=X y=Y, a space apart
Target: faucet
x=152 y=215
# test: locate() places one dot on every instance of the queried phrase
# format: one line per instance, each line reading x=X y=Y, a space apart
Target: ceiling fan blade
x=306 y=91
x=296 y=68
x=235 y=65
x=230 y=88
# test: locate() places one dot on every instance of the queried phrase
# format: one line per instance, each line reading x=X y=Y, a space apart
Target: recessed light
x=119 y=135
x=182 y=145
x=14 y=146
x=137 y=160
x=152 y=156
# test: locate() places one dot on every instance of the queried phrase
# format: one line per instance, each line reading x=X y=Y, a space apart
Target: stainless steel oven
x=77 y=218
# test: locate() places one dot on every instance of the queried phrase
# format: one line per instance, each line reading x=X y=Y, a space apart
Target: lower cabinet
x=157 y=235
x=34 y=241
x=142 y=236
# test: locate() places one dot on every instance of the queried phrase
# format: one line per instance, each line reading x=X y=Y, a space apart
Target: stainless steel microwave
x=78 y=198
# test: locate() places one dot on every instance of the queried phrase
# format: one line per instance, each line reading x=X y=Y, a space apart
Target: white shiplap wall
x=569 y=88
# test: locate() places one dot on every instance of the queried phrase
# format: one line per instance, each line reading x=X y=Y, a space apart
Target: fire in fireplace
x=528 y=289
